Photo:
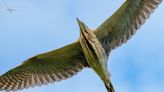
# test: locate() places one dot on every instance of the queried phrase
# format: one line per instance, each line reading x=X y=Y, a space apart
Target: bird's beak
x=81 y=24
x=83 y=27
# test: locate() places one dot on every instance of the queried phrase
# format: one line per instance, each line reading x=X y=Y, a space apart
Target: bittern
x=95 y=54
x=91 y=50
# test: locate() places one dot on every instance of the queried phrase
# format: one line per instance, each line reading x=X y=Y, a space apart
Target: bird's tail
x=109 y=87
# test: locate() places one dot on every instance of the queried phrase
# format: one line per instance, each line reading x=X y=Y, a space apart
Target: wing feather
x=123 y=24
x=45 y=68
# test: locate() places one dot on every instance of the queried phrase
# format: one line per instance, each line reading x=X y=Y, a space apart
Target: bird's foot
x=109 y=87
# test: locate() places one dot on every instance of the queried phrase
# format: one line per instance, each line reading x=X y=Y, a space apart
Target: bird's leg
x=109 y=85
x=106 y=79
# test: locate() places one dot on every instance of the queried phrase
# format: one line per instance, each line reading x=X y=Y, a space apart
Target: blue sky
x=39 y=26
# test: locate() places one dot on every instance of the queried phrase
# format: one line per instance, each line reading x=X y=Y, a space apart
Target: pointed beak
x=81 y=24
x=83 y=27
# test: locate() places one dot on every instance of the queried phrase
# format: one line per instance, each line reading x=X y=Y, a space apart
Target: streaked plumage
x=95 y=54
x=67 y=61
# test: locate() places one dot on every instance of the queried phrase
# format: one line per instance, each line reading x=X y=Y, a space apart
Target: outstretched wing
x=123 y=23
x=45 y=68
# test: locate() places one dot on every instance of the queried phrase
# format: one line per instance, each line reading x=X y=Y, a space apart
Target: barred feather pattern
x=144 y=13
x=27 y=78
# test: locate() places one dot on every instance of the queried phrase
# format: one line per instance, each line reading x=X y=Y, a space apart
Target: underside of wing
x=45 y=68
x=125 y=22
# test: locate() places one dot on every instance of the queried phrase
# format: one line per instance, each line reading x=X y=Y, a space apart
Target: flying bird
x=11 y=10
x=90 y=51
